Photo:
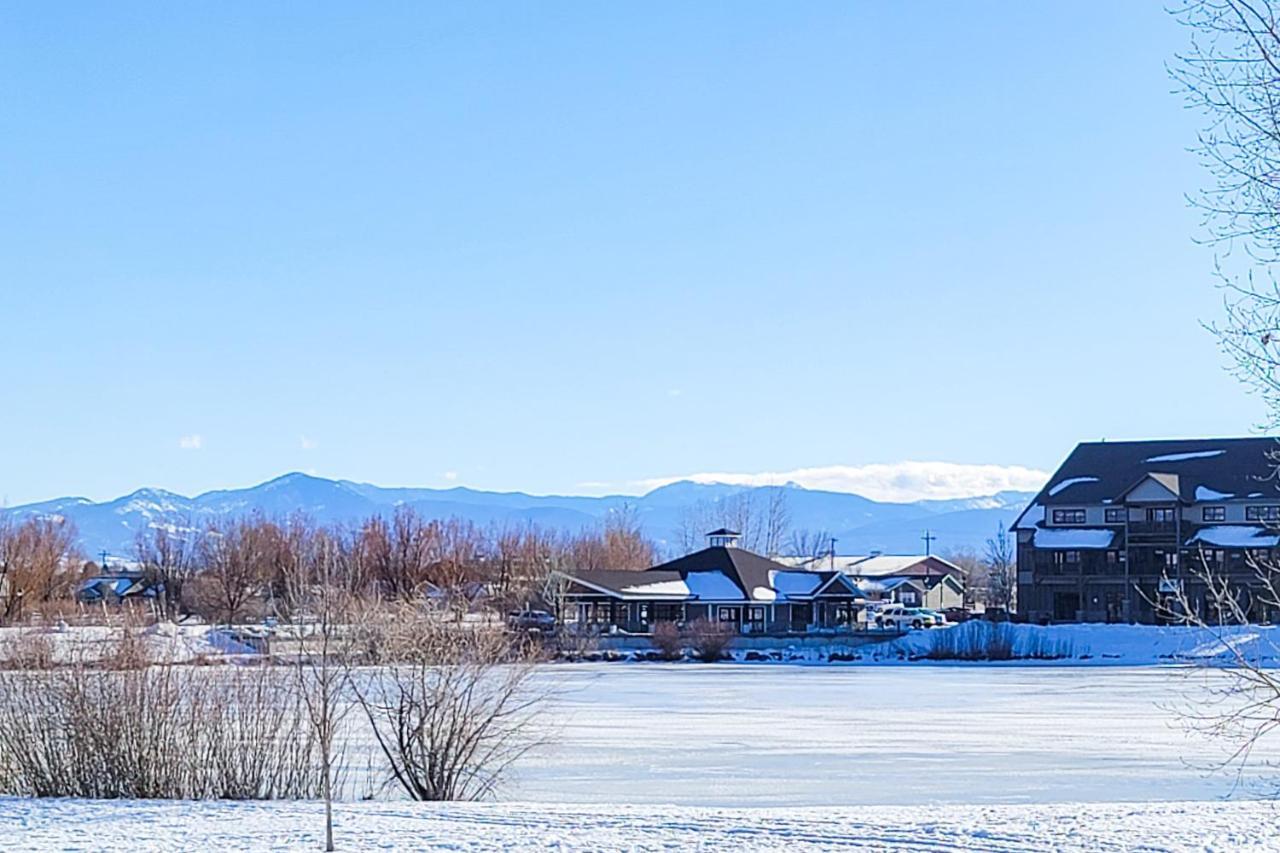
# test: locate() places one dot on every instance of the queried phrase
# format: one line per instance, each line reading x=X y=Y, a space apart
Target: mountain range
x=860 y=524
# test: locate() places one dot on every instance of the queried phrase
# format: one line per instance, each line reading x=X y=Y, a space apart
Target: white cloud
x=195 y=441
x=308 y=443
x=451 y=475
x=895 y=481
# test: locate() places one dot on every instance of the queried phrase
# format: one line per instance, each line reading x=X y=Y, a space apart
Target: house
x=916 y=580
x=723 y=583
x=116 y=586
x=1121 y=529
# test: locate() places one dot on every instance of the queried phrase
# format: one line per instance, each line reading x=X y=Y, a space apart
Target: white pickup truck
x=899 y=617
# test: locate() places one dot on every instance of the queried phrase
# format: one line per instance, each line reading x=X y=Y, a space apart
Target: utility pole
x=102 y=555
x=833 y=553
x=928 y=542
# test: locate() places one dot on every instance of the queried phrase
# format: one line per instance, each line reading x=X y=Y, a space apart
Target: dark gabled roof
x=1097 y=472
x=744 y=568
x=740 y=570
x=613 y=580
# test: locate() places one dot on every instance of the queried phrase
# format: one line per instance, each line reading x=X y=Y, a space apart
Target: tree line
x=252 y=566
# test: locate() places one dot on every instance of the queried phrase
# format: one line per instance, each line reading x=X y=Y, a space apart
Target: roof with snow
x=719 y=574
x=1194 y=469
x=1075 y=538
x=1235 y=536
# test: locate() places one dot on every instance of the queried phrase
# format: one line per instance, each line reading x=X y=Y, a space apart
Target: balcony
x=1153 y=531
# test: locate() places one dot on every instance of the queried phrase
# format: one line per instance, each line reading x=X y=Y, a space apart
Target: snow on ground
x=163 y=642
x=78 y=825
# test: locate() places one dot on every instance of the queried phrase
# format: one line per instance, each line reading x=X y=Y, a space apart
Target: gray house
x=1123 y=529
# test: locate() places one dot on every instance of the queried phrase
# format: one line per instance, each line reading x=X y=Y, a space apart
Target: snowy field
x=74 y=825
x=673 y=756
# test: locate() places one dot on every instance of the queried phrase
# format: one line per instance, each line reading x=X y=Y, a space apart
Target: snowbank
x=1117 y=645
x=47 y=825
x=1054 y=645
x=163 y=642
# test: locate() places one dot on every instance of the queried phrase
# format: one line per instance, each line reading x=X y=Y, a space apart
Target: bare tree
x=453 y=709
x=167 y=554
x=1000 y=564
x=37 y=559
x=760 y=517
x=618 y=543
x=1231 y=74
x=812 y=545
x=777 y=520
x=234 y=556
x=975 y=572
x=322 y=612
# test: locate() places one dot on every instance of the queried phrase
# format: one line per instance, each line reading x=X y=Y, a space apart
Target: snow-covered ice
x=671 y=756
x=773 y=735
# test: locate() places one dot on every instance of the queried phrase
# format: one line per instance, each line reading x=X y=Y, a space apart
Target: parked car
x=899 y=617
x=530 y=620
x=939 y=617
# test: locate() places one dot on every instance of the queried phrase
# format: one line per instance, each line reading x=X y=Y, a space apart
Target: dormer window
x=1068 y=516
x=1214 y=513
x=1115 y=515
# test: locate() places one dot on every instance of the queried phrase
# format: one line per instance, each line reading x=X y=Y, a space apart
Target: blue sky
x=584 y=247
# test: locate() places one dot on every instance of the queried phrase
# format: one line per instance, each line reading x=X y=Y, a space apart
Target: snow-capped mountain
x=860 y=524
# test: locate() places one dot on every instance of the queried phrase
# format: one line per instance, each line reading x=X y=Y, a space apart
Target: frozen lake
x=759 y=735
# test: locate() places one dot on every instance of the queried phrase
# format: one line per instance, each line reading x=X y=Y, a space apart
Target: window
x=1115 y=515
x=666 y=612
x=1115 y=557
x=1160 y=515
x=1064 y=559
x=1214 y=513
x=1068 y=516
x=1262 y=513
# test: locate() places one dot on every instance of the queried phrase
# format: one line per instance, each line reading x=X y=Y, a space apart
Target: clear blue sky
x=540 y=245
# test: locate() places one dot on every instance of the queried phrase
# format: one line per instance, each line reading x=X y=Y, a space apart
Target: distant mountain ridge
x=860 y=524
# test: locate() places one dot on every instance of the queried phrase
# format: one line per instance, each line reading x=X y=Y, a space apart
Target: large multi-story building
x=1123 y=530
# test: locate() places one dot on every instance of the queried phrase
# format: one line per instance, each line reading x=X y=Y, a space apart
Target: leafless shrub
x=31 y=650
x=153 y=732
x=709 y=640
x=453 y=711
x=978 y=640
x=972 y=641
x=668 y=641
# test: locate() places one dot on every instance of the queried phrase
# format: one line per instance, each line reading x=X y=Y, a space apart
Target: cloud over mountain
x=895 y=481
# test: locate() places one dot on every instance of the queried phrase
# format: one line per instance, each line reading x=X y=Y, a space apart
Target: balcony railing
x=1153 y=529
